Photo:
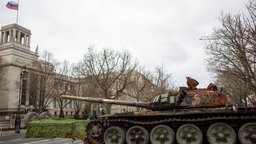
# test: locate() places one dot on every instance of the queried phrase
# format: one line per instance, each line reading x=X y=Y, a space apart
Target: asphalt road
x=20 y=139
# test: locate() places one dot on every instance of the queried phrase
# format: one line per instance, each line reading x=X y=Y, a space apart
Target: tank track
x=105 y=122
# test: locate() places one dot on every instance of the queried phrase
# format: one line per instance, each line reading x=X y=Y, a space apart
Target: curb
x=12 y=132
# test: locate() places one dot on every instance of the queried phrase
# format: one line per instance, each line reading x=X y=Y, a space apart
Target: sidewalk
x=12 y=132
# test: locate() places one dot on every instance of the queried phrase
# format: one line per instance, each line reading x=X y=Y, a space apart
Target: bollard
x=17 y=124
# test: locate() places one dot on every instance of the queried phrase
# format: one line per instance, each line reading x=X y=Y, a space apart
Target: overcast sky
x=156 y=32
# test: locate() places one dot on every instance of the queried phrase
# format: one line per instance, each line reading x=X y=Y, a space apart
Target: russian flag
x=12 y=5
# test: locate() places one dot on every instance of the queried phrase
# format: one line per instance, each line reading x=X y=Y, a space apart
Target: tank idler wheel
x=162 y=134
x=189 y=133
x=114 y=135
x=95 y=129
x=137 y=135
x=221 y=133
x=247 y=133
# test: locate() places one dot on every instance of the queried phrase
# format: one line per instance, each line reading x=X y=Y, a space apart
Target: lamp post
x=18 y=119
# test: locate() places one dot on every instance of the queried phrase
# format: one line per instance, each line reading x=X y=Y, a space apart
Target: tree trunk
x=61 y=113
x=76 y=116
x=108 y=108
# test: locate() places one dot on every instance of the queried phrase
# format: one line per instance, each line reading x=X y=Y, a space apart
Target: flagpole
x=17 y=17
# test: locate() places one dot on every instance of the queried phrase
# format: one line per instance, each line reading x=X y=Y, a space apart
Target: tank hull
x=207 y=126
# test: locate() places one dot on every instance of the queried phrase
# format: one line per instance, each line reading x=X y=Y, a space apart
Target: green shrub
x=57 y=127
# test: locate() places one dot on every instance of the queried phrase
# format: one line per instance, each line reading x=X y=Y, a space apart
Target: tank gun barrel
x=108 y=101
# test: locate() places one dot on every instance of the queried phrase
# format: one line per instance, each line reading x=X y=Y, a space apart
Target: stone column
x=1 y=40
x=25 y=39
x=18 y=37
x=14 y=35
x=29 y=40
x=4 y=37
x=10 y=35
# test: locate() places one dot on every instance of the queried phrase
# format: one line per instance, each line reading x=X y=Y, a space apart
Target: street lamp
x=18 y=119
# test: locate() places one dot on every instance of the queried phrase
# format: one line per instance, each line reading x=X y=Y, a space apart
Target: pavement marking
x=35 y=142
x=17 y=139
x=51 y=141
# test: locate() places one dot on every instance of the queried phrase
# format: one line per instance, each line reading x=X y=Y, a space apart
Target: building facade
x=16 y=58
x=18 y=68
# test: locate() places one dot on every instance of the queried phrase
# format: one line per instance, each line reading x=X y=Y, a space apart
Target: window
x=23 y=91
x=70 y=104
x=33 y=88
x=65 y=103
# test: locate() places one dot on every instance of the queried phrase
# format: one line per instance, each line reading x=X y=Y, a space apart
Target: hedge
x=57 y=128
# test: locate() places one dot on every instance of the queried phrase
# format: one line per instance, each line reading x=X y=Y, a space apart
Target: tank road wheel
x=94 y=129
x=247 y=133
x=189 y=133
x=114 y=135
x=162 y=134
x=137 y=135
x=31 y=116
x=44 y=115
x=221 y=133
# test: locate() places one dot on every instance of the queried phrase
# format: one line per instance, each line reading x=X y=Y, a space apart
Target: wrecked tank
x=189 y=116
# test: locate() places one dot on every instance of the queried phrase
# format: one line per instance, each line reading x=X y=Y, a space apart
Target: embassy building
x=19 y=69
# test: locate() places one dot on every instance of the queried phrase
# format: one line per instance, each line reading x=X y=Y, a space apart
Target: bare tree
x=42 y=82
x=146 y=84
x=232 y=52
x=78 y=73
x=110 y=70
x=140 y=85
x=63 y=85
x=235 y=87
x=162 y=80
x=89 y=88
